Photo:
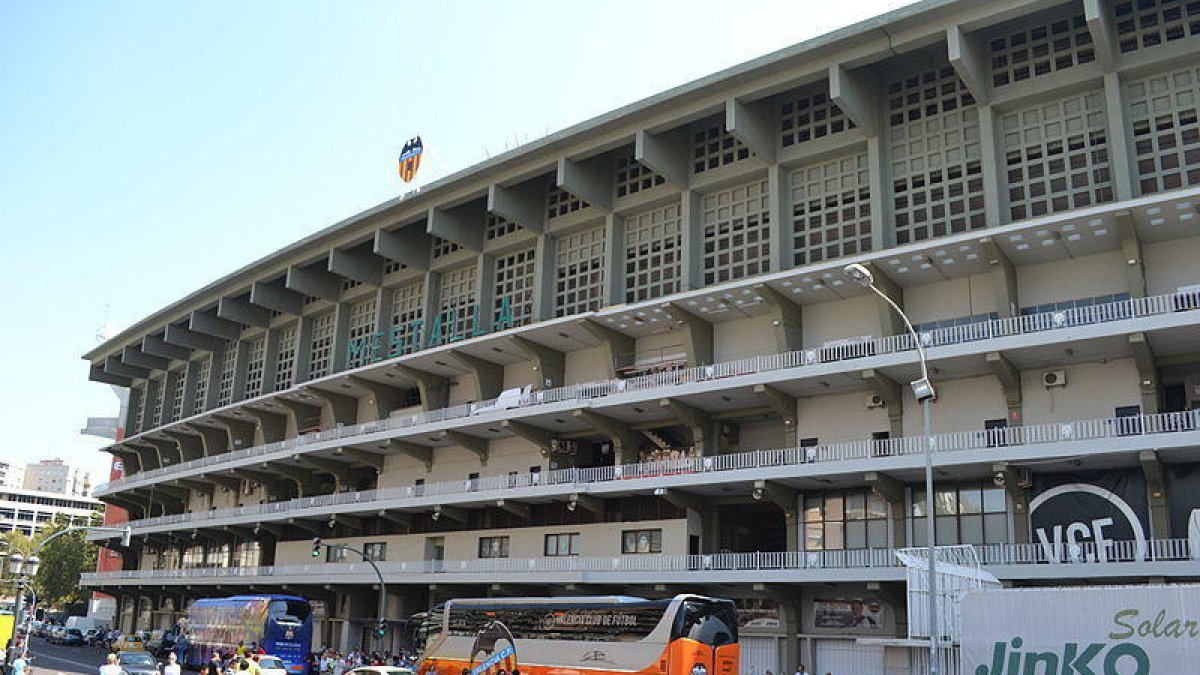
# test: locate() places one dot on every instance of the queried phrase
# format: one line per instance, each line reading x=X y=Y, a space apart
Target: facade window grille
x=970 y=514
x=136 y=401
x=493 y=547
x=558 y=545
x=256 y=351
x=847 y=520
x=641 y=541
x=407 y=315
x=579 y=272
x=933 y=141
x=514 y=288
x=1056 y=156
x=1142 y=24
x=180 y=381
x=391 y=267
x=376 y=551
x=831 y=209
x=443 y=247
x=320 y=346
x=497 y=227
x=652 y=253
x=456 y=310
x=560 y=202
x=154 y=389
x=810 y=115
x=1041 y=50
x=203 y=366
x=285 y=358
x=225 y=381
x=735 y=225
x=361 y=324
x=348 y=284
x=634 y=177
x=1166 y=133
x=714 y=147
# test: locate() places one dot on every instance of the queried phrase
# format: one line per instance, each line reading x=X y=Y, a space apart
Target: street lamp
x=381 y=625
x=24 y=570
x=924 y=392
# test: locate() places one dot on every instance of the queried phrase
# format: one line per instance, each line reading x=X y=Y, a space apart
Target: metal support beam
x=784 y=405
x=96 y=373
x=889 y=389
x=1156 y=488
x=615 y=343
x=317 y=283
x=186 y=337
x=277 y=298
x=478 y=446
x=408 y=246
x=697 y=334
x=356 y=265
x=115 y=367
x=854 y=93
x=1004 y=278
x=434 y=389
x=549 y=363
x=786 y=318
x=666 y=154
x=132 y=356
x=624 y=440
x=211 y=324
x=590 y=180
x=542 y=438
x=523 y=204
x=489 y=377
x=155 y=345
x=970 y=63
x=1010 y=384
x=342 y=407
x=242 y=312
x=698 y=421
x=1143 y=358
x=421 y=453
x=753 y=124
x=462 y=224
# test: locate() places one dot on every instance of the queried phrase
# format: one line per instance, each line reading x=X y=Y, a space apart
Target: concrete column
x=240 y=366
x=341 y=336
x=544 y=275
x=691 y=239
x=303 y=348
x=214 y=378
x=1120 y=159
x=614 y=260
x=485 y=294
x=270 y=359
x=780 y=213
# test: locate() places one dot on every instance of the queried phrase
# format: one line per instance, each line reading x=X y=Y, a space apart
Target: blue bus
x=280 y=624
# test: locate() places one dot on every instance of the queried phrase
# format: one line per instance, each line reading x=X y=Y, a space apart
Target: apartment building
x=12 y=474
x=31 y=511
x=55 y=475
x=625 y=358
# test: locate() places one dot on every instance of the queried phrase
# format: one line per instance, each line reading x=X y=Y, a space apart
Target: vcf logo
x=289 y=634
x=699 y=669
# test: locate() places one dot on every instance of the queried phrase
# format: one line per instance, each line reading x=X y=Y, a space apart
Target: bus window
x=292 y=612
x=709 y=623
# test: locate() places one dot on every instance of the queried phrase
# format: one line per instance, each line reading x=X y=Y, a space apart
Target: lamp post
x=923 y=391
x=381 y=624
x=23 y=570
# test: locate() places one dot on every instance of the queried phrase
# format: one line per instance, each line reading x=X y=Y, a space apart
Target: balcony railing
x=571 y=479
x=985 y=330
x=1119 y=552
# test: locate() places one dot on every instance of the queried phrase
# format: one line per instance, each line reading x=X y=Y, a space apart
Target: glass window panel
x=994 y=500
x=814 y=537
x=970 y=500
x=877 y=534
x=918 y=503
x=835 y=539
x=833 y=507
x=876 y=506
x=918 y=533
x=656 y=541
x=630 y=543
x=945 y=502
x=995 y=528
x=856 y=535
x=971 y=527
x=551 y=545
x=856 y=508
x=947 y=530
x=812 y=509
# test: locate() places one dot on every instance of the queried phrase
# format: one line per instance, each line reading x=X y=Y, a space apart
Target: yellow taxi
x=129 y=643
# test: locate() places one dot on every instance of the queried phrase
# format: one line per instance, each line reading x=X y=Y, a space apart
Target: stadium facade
x=625 y=358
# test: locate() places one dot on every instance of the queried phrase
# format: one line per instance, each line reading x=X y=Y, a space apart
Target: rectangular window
x=736 y=232
x=634 y=177
x=652 y=253
x=154 y=389
x=255 y=357
x=493 y=547
x=1039 y=50
x=285 y=360
x=180 y=381
x=641 y=541
x=442 y=247
x=1164 y=125
x=361 y=324
x=714 y=147
x=967 y=514
x=320 y=347
x=376 y=551
x=407 y=319
x=203 y=366
x=854 y=519
x=334 y=554
x=225 y=382
x=831 y=209
x=1142 y=24
x=809 y=115
x=560 y=202
x=136 y=399
x=456 y=311
x=514 y=289
x=562 y=544
x=579 y=272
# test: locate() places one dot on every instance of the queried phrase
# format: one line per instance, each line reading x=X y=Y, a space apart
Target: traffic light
x=316 y=549
x=381 y=628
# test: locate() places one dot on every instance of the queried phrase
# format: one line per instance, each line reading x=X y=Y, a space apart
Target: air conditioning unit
x=1054 y=378
x=875 y=401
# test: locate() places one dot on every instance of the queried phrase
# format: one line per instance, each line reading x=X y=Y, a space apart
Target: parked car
x=137 y=663
x=56 y=634
x=92 y=636
x=129 y=643
x=270 y=665
x=72 y=637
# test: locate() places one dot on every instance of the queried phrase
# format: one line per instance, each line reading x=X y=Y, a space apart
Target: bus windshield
x=288 y=612
x=707 y=622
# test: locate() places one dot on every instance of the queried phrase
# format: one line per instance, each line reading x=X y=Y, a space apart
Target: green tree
x=63 y=560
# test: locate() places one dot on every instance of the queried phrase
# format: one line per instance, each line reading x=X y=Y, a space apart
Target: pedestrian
x=172 y=667
x=110 y=666
x=800 y=670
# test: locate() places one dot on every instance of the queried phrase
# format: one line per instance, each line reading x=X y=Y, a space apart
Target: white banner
x=1128 y=630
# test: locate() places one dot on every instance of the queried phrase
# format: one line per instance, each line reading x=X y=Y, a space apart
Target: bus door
x=704 y=641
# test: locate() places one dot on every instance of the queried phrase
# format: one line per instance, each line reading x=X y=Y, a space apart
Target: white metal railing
x=572 y=478
x=984 y=330
x=1118 y=552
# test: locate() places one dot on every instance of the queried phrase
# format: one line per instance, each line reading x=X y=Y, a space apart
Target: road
x=51 y=659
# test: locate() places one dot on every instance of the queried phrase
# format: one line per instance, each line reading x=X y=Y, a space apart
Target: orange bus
x=684 y=635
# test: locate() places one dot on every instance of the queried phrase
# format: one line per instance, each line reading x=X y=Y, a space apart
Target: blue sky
x=147 y=149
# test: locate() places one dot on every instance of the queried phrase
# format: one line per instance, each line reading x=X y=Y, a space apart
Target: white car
x=271 y=665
